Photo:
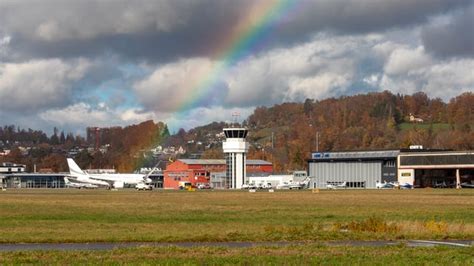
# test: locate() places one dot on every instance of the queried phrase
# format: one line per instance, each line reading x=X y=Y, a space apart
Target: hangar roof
x=355 y=155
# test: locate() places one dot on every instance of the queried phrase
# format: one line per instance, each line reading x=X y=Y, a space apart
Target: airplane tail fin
x=146 y=178
x=74 y=168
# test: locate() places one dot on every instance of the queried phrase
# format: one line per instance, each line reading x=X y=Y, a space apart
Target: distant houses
x=415 y=119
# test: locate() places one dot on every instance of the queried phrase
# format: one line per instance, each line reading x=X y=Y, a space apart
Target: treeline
x=369 y=121
x=122 y=148
x=11 y=135
x=126 y=147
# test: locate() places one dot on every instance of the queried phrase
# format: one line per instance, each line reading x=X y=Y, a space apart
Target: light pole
x=317 y=141
x=273 y=151
x=317 y=138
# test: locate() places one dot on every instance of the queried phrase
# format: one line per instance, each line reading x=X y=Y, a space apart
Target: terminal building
x=417 y=167
x=208 y=171
x=34 y=180
x=14 y=176
x=8 y=168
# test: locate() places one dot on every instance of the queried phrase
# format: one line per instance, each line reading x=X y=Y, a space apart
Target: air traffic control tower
x=235 y=149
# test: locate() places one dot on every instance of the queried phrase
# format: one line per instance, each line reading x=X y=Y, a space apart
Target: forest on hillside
x=284 y=134
x=360 y=122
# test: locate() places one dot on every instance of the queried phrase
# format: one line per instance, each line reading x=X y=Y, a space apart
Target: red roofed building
x=200 y=171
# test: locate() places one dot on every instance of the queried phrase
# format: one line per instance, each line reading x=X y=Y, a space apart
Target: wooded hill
x=361 y=122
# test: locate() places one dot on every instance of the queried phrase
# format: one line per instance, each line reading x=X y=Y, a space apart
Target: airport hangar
x=418 y=167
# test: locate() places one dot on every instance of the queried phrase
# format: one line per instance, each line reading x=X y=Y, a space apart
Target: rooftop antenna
x=235 y=118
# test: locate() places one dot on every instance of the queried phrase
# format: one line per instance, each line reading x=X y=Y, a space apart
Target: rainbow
x=262 y=17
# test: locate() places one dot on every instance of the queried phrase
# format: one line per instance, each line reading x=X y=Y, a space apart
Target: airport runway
x=109 y=246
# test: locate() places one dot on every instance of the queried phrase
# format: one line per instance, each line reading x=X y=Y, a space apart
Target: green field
x=171 y=216
x=202 y=216
x=435 y=126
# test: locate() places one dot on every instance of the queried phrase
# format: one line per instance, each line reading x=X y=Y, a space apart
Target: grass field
x=293 y=255
x=170 y=216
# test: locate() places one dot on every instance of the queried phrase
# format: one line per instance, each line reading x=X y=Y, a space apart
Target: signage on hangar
x=320 y=155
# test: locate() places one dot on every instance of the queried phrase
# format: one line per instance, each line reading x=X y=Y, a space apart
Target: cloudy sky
x=73 y=64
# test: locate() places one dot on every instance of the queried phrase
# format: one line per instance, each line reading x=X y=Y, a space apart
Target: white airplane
x=336 y=186
x=107 y=180
x=79 y=185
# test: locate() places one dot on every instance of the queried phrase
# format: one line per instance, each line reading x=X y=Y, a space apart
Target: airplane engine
x=118 y=184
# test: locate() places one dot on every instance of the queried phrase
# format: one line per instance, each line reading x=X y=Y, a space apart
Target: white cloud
x=37 y=84
x=318 y=86
x=78 y=114
x=174 y=85
x=4 y=45
x=406 y=60
x=203 y=115
x=136 y=115
x=373 y=80
x=48 y=30
x=5 y=40
x=385 y=48
x=447 y=79
x=408 y=70
x=82 y=115
x=316 y=69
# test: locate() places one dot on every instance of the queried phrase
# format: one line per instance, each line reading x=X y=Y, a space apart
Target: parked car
x=249 y=186
x=204 y=186
x=264 y=186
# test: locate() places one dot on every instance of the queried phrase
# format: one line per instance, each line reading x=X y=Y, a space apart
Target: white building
x=235 y=149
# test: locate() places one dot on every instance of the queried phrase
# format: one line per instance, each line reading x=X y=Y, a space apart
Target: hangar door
x=350 y=174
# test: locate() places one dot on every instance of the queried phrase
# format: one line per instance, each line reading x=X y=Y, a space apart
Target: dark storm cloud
x=152 y=46
x=151 y=30
x=166 y=30
x=455 y=38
